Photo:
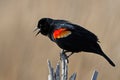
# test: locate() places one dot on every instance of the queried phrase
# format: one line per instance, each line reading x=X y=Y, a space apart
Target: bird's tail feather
x=108 y=59
x=100 y=52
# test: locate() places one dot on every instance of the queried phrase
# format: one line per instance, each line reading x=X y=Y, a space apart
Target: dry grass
x=23 y=56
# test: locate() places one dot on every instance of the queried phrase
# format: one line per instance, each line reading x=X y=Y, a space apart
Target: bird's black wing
x=84 y=33
x=77 y=30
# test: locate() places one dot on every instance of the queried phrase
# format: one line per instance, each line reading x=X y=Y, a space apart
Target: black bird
x=70 y=37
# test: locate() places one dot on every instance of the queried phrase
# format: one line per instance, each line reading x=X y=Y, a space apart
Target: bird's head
x=44 y=26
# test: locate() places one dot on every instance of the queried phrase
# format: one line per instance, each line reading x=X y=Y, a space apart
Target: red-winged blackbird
x=70 y=37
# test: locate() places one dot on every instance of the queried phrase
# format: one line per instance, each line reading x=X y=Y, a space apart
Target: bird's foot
x=64 y=56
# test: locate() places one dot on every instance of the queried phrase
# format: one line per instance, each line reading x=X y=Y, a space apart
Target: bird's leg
x=63 y=55
x=70 y=54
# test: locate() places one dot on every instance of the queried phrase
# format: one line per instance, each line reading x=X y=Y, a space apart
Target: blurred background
x=24 y=56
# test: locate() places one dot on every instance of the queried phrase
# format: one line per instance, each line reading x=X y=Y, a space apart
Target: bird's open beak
x=37 y=32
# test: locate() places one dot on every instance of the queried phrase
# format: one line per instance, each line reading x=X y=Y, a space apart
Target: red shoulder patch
x=61 y=33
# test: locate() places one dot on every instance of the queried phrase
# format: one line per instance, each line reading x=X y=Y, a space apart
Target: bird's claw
x=63 y=55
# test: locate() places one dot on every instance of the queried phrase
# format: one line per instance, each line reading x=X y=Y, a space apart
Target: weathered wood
x=55 y=75
x=51 y=72
x=94 y=76
x=64 y=67
x=73 y=77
